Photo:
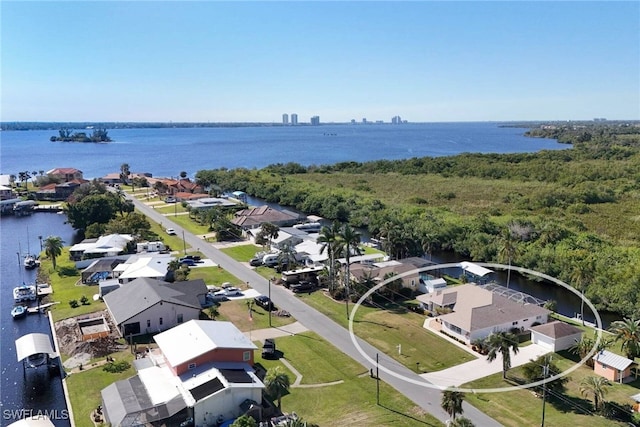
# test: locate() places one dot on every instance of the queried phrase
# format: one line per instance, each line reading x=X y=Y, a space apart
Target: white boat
x=18 y=311
x=309 y=227
x=30 y=262
x=25 y=293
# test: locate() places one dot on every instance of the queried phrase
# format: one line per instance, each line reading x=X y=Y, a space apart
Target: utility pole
x=545 y=374
x=377 y=381
x=270 y=304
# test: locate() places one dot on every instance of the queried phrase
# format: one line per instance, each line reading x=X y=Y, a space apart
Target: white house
x=150 y=266
x=201 y=370
x=555 y=335
x=103 y=246
x=477 y=313
x=148 y=306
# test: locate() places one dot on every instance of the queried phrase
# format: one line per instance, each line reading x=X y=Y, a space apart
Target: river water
x=31 y=391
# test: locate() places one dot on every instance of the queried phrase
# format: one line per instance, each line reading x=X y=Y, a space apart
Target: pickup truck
x=302 y=287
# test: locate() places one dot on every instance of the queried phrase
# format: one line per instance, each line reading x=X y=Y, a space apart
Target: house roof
x=256 y=216
x=140 y=294
x=63 y=171
x=196 y=337
x=154 y=266
x=104 y=244
x=477 y=308
x=605 y=357
x=557 y=329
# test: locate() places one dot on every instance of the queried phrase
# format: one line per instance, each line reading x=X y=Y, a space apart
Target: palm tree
x=628 y=331
x=596 y=386
x=452 y=402
x=277 y=383
x=270 y=231
x=53 y=248
x=502 y=343
x=328 y=238
x=124 y=173
x=348 y=239
x=581 y=274
x=584 y=346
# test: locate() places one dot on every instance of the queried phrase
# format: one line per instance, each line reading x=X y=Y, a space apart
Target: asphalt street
x=427 y=398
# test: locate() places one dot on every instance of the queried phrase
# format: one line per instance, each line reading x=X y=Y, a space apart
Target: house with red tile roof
x=66 y=174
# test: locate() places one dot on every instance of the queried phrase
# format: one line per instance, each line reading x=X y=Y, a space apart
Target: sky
x=214 y=61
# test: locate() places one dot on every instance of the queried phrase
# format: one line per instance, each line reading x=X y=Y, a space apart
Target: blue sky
x=252 y=61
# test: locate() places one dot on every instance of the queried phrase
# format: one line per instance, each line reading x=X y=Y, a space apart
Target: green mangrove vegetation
x=573 y=214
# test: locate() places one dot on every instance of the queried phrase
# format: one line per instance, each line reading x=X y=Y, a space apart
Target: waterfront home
x=556 y=335
x=66 y=174
x=613 y=367
x=469 y=312
x=250 y=218
x=6 y=193
x=146 y=306
x=151 y=266
x=203 y=202
x=103 y=246
x=202 y=370
x=58 y=191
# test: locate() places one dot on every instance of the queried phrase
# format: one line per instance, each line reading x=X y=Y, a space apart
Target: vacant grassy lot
x=237 y=311
x=242 y=253
x=523 y=408
x=352 y=402
x=214 y=276
x=387 y=328
x=84 y=388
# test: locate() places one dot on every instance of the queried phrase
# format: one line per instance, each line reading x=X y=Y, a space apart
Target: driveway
x=480 y=368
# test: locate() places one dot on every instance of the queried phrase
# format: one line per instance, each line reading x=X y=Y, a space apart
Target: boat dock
x=39 y=308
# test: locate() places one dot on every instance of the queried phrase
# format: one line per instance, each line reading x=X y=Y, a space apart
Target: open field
x=352 y=402
x=242 y=253
x=387 y=328
x=237 y=312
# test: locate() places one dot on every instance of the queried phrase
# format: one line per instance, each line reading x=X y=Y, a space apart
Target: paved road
x=427 y=398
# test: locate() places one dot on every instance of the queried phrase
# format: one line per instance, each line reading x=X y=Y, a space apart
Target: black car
x=264 y=302
x=303 y=287
x=269 y=349
x=255 y=262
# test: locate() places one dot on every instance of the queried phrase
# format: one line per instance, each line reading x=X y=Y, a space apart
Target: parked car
x=230 y=292
x=215 y=297
x=269 y=349
x=264 y=302
x=187 y=261
x=170 y=199
x=196 y=258
x=302 y=287
x=171 y=231
x=255 y=262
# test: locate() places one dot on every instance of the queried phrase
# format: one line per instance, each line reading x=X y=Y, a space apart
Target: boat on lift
x=19 y=311
x=25 y=293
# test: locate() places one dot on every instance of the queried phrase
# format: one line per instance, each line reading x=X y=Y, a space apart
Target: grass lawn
x=523 y=408
x=242 y=253
x=386 y=329
x=214 y=276
x=351 y=403
x=84 y=388
x=65 y=288
x=237 y=312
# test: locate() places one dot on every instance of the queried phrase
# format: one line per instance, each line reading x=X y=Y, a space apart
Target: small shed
x=555 y=335
x=431 y=285
x=612 y=366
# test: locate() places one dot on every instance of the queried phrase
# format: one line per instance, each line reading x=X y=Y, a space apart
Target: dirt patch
x=81 y=352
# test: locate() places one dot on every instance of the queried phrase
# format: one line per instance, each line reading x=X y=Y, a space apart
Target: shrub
x=67 y=271
x=74 y=303
x=84 y=300
x=117 y=367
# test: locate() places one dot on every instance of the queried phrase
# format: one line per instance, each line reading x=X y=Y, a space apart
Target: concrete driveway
x=480 y=368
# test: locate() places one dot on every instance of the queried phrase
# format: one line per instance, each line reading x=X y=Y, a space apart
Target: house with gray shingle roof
x=477 y=312
x=556 y=335
x=255 y=217
x=147 y=305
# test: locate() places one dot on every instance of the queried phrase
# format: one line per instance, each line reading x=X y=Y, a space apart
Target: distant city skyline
x=346 y=60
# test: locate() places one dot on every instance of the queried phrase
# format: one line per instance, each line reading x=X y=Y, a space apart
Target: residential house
x=206 y=202
x=477 y=313
x=99 y=270
x=146 y=305
x=6 y=193
x=103 y=246
x=201 y=370
x=250 y=218
x=613 y=367
x=151 y=266
x=66 y=174
x=58 y=191
x=556 y=335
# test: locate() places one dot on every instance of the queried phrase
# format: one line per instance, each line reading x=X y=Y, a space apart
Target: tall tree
x=508 y=250
x=124 y=173
x=502 y=343
x=452 y=402
x=277 y=383
x=53 y=248
x=328 y=238
x=269 y=230
x=348 y=241
x=628 y=331
x=596 y=386
x=581 y=274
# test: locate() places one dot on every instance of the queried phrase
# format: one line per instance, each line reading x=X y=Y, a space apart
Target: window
x=180 y=318
x=161 y=321
x=191 y=366
x=246 y=356
x=148 y=323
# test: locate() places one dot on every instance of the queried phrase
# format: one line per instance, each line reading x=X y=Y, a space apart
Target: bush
x=84 y=300
x=117 y=367
x=67 y=271
x=74 y=303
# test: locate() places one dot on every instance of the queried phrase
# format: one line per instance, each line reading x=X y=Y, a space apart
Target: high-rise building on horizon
x=285 y=119
x=315 y=120
x=294 y=119
x=396 y=120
